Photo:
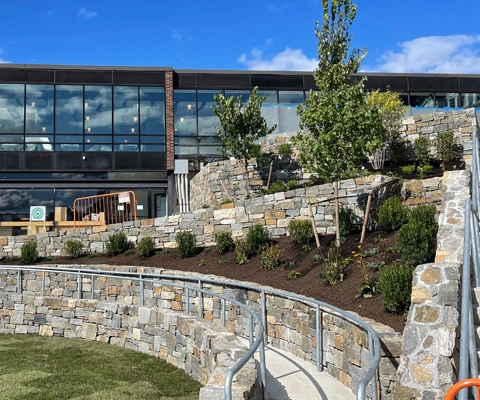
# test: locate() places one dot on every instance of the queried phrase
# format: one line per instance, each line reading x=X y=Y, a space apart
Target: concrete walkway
x=291 y=378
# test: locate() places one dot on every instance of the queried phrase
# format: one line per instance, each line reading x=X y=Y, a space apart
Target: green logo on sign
x=37 y=213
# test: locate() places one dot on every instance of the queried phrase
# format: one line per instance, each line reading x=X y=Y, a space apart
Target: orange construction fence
x=452 y=392
x=104 y=209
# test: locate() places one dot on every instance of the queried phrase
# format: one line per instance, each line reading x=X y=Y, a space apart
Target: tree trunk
x=337 y=214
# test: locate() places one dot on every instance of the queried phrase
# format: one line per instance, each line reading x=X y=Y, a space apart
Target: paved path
x=290 y=378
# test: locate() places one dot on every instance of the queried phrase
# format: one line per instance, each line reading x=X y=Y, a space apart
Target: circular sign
x=37 y=213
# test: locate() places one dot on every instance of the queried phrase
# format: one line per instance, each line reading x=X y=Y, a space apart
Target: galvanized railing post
x=250 y=329
x=224 y=321
x=79 y=286
x=19 y=281
x=92 y=287
x=264 y=315
x=141 y=290
x=319 y=337
x=43 y=283
x=263 y=369
x=187 y=301
x=200 y=299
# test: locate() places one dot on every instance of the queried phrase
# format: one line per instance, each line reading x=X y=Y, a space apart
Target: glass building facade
x=70 y=132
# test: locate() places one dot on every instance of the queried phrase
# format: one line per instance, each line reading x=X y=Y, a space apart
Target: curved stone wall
x=201 y=348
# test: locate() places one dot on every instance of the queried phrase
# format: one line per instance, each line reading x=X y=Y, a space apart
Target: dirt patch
x=293 y=257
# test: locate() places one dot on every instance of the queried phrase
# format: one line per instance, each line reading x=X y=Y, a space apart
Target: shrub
x=270 y=257
x=225 y=242
x=73 y=248
x=285 y=149
x=116 y=244
x=28 y=252
x=424 y=170
x=301 y=230
x=241 y=250
x=417 y=240
x=446 y=144
x=257 y=237
x=293 y=275
x=186 y=244
x=392 y=214
x=422 y=150
x=409 y=169
x=146 y=247
x=347 y=219
x=396 y=285
x=280 y=186
x=226 y=201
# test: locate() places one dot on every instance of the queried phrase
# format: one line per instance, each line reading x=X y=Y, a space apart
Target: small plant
x=375 y=265
x=257 y=237
x=306 y=248
x=117 y=244
x=225 y=242
x=129 y=252
x=166 y=250
x=409 y=169
x=317 y=258
x=222 y=262
x=378 y=239
x=226 y=201
x=285 y=149
x=280 y=186
x=422 y=150
x=73 y=248
x=369 y=285
x=202 y=262
x=146 y=247
x=270 y=257
x=241 y=250
x=346 y=261
x=28 y=252
x=417 y=240
x=207 y=249
x=186 y=244
x=293 y=275
x=424 y=170
x=301 y=230
x=446 y=144
x=291 y=264
x=92 y=255
x=391 y=249
x=205 y=206
x=372 y=252
x=392 y=214
x=395 y=281
x=332 y=269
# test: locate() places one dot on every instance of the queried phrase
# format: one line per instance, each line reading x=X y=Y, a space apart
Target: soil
x=343 y=294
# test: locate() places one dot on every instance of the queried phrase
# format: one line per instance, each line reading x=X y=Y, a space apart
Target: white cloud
x=177 y=35
x=83 y=13
x=453 y=54
x=2 y=61
x=287 y=60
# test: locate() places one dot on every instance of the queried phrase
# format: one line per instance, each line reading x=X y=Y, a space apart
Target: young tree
x=338 y=128
x=242 y=125
x=392 y=110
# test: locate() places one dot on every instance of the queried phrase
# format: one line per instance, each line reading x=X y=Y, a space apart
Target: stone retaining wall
x=200 y=348
x=221 y=180
x=290 y=323
x=427 y=367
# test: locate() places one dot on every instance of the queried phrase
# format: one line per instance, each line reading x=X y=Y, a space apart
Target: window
x=12 y=107
x=39 y=110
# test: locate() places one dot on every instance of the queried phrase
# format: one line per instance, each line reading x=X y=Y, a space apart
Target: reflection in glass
x=422 y=100
x=125 y=118
x=98 y=109
x=68 y=109
x=97 y=139
x=470 y=100
x=210 y=150
x=126 y=147
x=270 y=108
x=290 y=98
x=126 y=139
x=39 y=109
x=207 y=120
x=12 y=107
x=244 y=94
x=152 y=110
x=152 y=139
x=152 y=147
x=447 y=100
x=15 y=204
x=68 y=147
x=185 y=112
x=39 y=143
x=98 y=147
x=183 y=150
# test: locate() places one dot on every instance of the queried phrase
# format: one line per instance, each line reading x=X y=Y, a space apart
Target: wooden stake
x=365 y=219
x=317 y=240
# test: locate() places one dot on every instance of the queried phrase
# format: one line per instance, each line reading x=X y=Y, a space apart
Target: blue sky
x=401 y=36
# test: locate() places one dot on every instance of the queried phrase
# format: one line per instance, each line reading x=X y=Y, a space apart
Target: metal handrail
x=468 y=365
x=167 y=279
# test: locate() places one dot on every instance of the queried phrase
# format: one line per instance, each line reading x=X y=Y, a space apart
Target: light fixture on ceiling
x=182 y=119
x=86 y=105
x=44 y=129
x=89 y=129
x=87 y=118
x=33 y=104
x=133 y=130
x=135 y=119
x=189 y=106
x=125 y=141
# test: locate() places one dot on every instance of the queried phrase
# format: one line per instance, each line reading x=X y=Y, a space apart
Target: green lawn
x=39 y=368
